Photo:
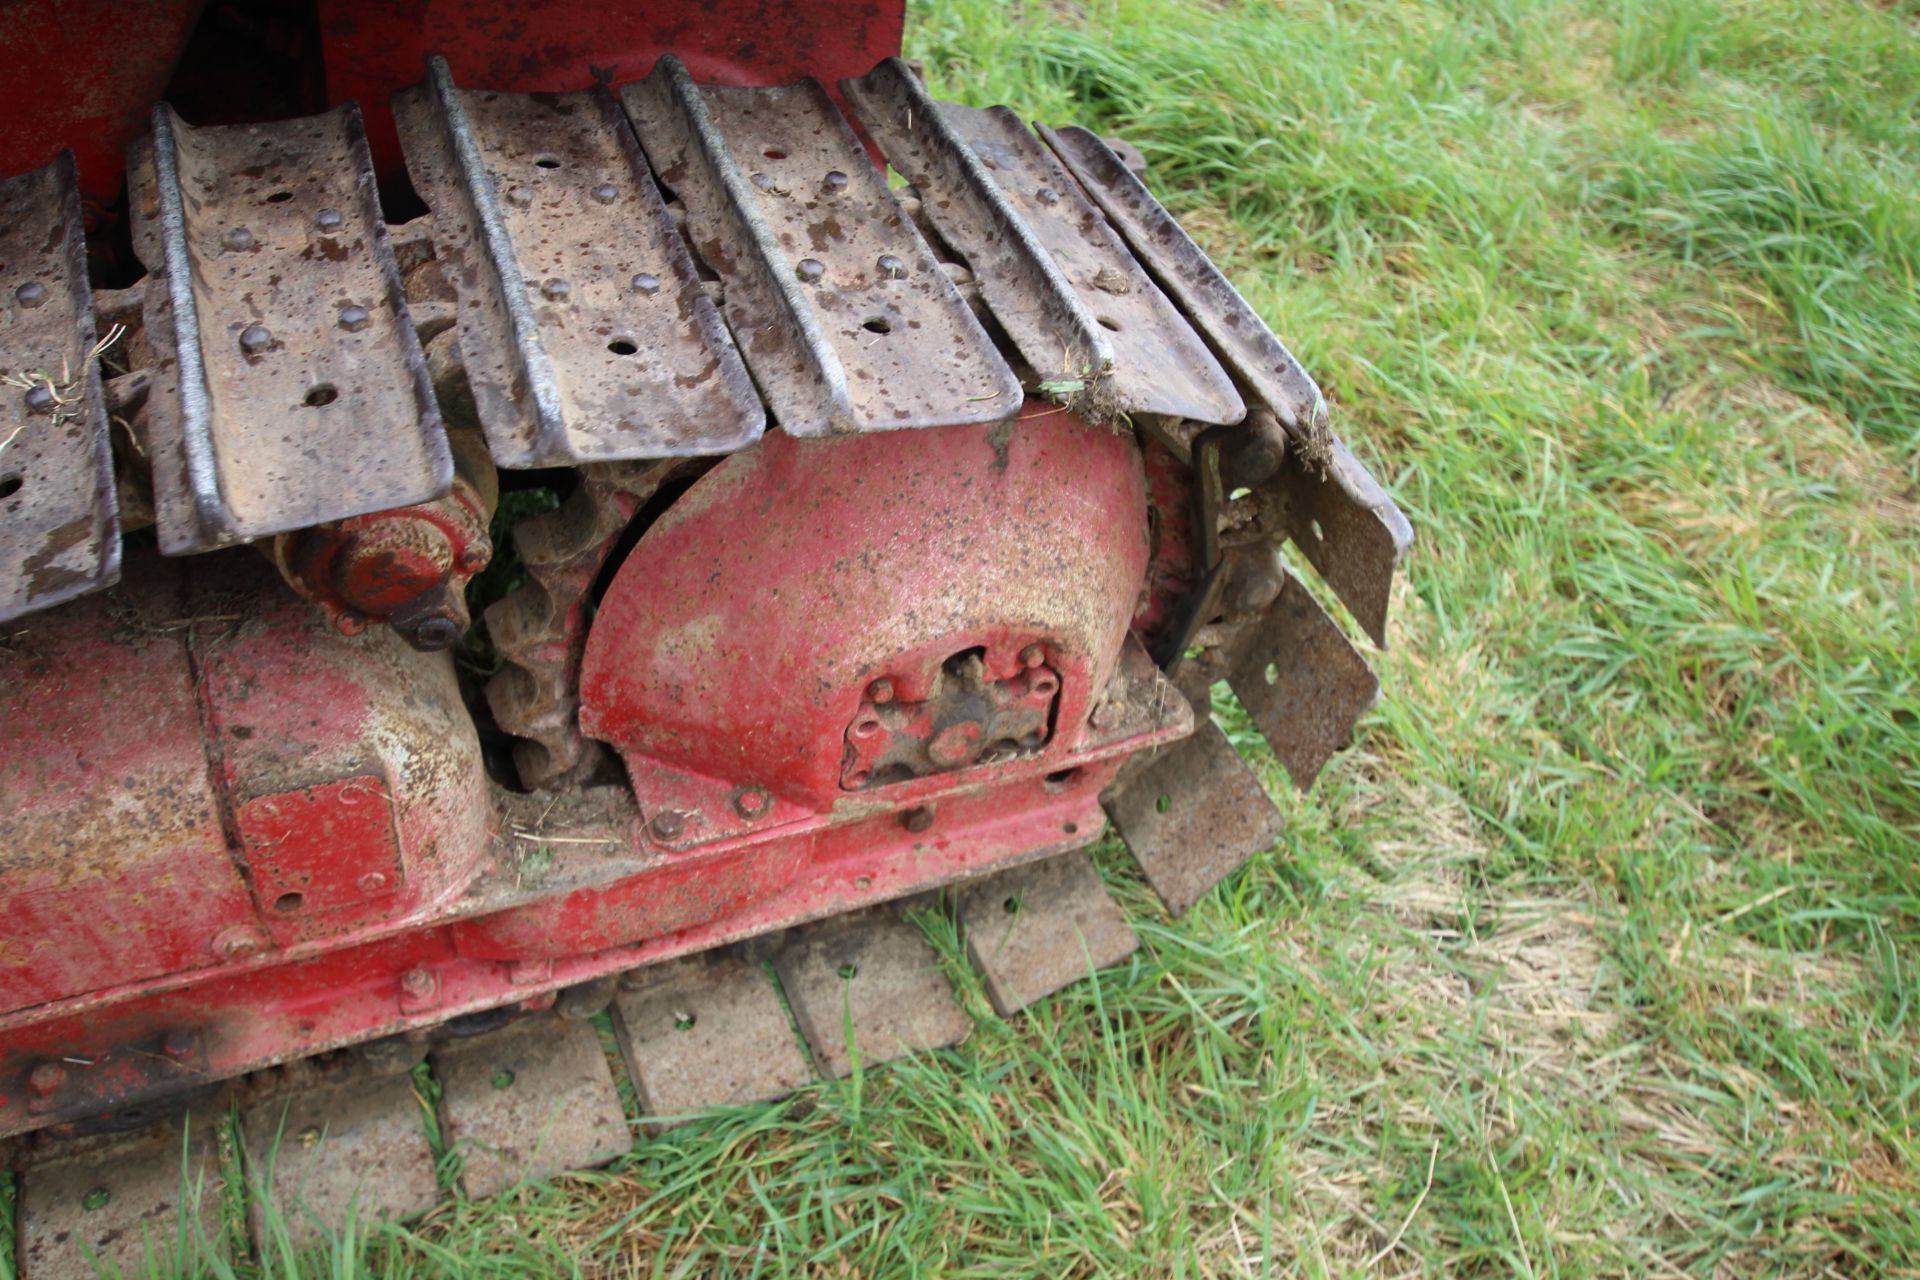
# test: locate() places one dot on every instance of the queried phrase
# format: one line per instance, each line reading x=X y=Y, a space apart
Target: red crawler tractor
x=858 y=494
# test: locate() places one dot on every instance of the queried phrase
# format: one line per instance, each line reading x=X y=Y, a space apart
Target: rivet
x=667 y=824
x=763 y=181
x=40 y=398
x=810 y=269
x=881 y=690
x=520 y=197
x=836 y=180
x=605 y=193
x=328 y=220
x=891 y=268
x=918 y=818
x=239 y=239
x=237 y=943
x=751 y=803
x=255 y=338
x=1047 y=195
x=646 y=283
x=556 y=290
x=353 y=318
x=372 y=882
x=31 y=294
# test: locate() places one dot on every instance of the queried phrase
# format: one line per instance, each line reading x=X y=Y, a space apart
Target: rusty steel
x=59 y=519
x=842 y=311
x=268 y=413
x=1348 y=529
x=1035 y=929
x=584 y=331
x=968 y=717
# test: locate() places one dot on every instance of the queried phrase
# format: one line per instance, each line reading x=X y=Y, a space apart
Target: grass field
x=1597 y=954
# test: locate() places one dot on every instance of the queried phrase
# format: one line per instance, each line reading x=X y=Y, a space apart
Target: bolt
x=179 y=1042
x=255 y=338
x=881 y=691
x=1033 y=655
x=891 y=268
x=350 y=622
x=31 y=294
x=436 y=632
x=40 y=398
x=836 y=180
x=667 y=824
x=417 y=983
x=1047 y=196
x=646 y=283
x=605 y=193
x=354 y=318
x=239 y=239
x=918 y=818
x=810 y=269
x=328 y=220
x=520 y=197
x=556 y=290
x=47 y=1079
x=372 y=882
x=237 y=943
x=763 y=181
x=751 y=803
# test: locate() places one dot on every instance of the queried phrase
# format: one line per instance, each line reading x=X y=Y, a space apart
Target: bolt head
x=835 y=180
x=437 y=632
x=328 y=220
x=179 y=1042
x=417 y=983
x=763 y=181
x=556 y=290
x=372 y=882
x=605 y=193
x=30 y=294
x=255 y=338
x=46 y=1079
x=891 y=267
x=1033 y=655
x=239 y=240
x=881 y=691
x=237 y=943
x=40 y=399
x=667 y=824
x=646 y=283
x=752 y=803
x=810 y=270
x=354 y=318
x=918 y=818
x=1047 y=196
x=520 y=197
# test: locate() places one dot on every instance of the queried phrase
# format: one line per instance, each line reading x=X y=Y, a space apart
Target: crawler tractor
x=515 y=512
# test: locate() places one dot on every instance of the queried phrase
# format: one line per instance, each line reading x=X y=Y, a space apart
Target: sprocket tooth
x=871 y=972
x=528 y=1101
x=1192 y=814
x=1039 y=928
x=707 y=1031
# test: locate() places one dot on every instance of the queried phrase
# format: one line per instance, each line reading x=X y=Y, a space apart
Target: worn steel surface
x=59 y=520
x=290 y=389
x=1191 y=813
x=1206 y=296
x=101 y=1204
x=329 y=1148
x=1040 y=927
x=1347 y=527
x=868 y=986
x=530 y=1100
x=706 y=1031
x=842 y=312
x=1301 y=680
x=1052 y=328
x=584 y=330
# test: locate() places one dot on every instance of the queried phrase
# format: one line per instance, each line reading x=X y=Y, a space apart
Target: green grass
x=1596 y=955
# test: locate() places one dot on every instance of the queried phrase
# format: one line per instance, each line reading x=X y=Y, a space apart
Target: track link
x=332 y=1143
